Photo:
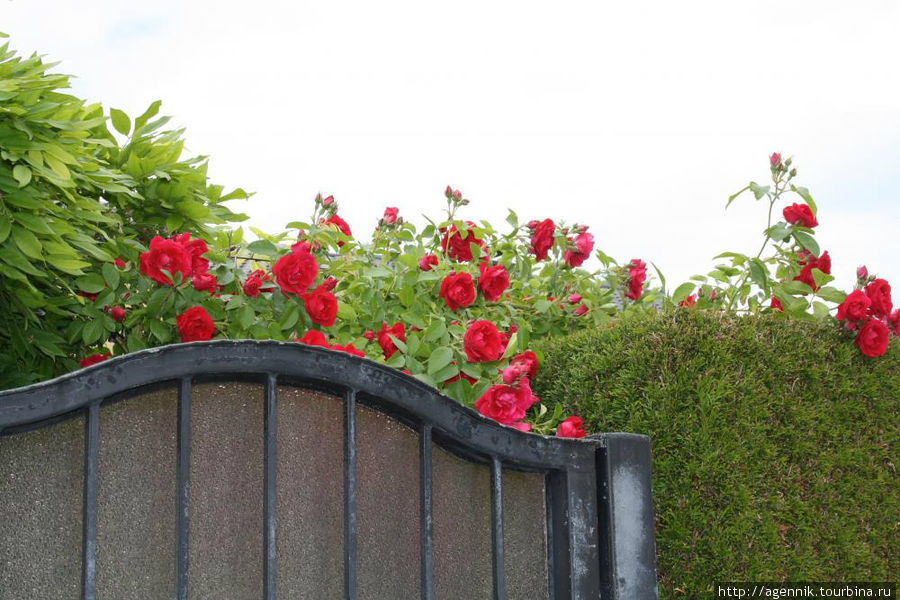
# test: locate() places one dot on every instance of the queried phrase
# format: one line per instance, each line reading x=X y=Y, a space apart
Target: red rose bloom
x=493 y=282
x=483 y=342
x=505 y=403
x=204 y=282
x=117 y=313
x=581 y=310
x=427 y=262
x=168 y=255
x=295 y=272
x=894 y=322
x=195 y=325
x=800 y=214
x=530 y=360
x=314 y=337
x=390 y=215
x=775 y=304
x=457 y=245
x=254 y=282
x=321 y=306
x=384 y=337
x=349 y=349
x=571 y=427
x=872 y=339
x=855 y=307
x=93 y=359
x=822 y=263
x=879 y=292
x=584 y=244
x=542 y=239
x=457 y=290
x=196 y=249
x=341 y=226
x=637 y=274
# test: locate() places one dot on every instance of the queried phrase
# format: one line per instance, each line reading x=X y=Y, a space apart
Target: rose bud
x=328 y=201
x=448 y=192
x=117 y=313
x=775 y=159
x=862 y=272
x=369 y=335
x=574 y=298
x=329 y=284
x=582 y=309
x=532 y=224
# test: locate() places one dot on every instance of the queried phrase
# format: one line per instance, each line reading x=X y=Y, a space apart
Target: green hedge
x=774 y=442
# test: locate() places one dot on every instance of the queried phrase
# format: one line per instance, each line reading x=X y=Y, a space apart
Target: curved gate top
x=264 y=470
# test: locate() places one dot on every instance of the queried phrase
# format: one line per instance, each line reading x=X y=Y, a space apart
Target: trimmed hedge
x=774 y=442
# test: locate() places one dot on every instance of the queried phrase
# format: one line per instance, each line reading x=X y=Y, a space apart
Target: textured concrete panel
x=525 y=535
x=41 y=497
x=136 y=497
x=226 y=500
x=462 y=528
x=387 y=508
x=310 y=491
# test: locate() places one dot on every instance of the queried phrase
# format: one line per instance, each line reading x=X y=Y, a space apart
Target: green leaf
x=804 y=193
x=821 y=278
x=92 y=332
x=290 y=317
x=820 y=310
x=830 y=294
x=399 y=343
x=111 y=275
x=445 y=373
x=120 y=121
x=759 y=274
x=33 y=222
x=440 y=358
x=511 y=345
x=192 y=210
x=245 y=317
x=92 y=284
x=159 y=330
x=682 y=291
x=758 y=190
x=67 y=265
x=151 y=112
x=435 y=331
x=263 y=247
x=5 y=228
x=27 y=242
x=732 y=197
x=346 y=312
x=542 y=306
x=807 y=241
x=22 y=174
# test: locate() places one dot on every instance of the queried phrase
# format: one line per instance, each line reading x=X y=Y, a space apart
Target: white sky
x=637 y=118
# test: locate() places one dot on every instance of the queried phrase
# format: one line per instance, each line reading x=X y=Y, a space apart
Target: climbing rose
x=775 y=304
x=775 y=159
x=584 y=244
x=168 y=255
x=428 y=261
x=505 y=403
x=894 y=322
x=384 y=337
x=530 y=360
x=457 y=290
x=574 y=298
x=458 y=246
x=855 y=307
x=822 y=263
x=117 y=313
x=513 y=373
x=196 y=249
x=879 y=292
x=571 y=427
x=390 y=215
x=93 y=359
x=295 y=272
x=581 y=310
x=195 y=325
x=542 y=238
x=637 y=274
x=493 y=282
x=483 y=342
x=254 y=282
x=314 y=337
x=204 y=282
x=340 y=225
x=321 y=306
x=862 y=272
x=872 y=339
x=800 y=214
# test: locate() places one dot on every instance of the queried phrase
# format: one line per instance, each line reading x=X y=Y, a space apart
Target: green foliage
x=774 y=441
x=73 y=198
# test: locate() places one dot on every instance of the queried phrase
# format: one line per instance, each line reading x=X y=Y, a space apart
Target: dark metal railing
x=594 y=548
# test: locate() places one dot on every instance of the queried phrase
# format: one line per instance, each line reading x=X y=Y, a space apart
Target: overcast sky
x=637 y=118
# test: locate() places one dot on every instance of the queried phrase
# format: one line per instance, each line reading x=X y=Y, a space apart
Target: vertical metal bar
x=183 y=474
x=89 y=519
x=350 y=495
x=497 y=528
x=558 y=536
x=271 y=464
x=584 y=553
x=427 y=530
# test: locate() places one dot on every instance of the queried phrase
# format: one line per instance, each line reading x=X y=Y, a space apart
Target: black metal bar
x=89 y=518
x=350 y=555
x=497 y=528
x=584 y=555
x=558 y=536
x=271 y=468
x=427 y=527
x=183 y=474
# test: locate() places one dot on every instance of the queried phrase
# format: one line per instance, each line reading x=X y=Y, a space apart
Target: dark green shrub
x=774 y=442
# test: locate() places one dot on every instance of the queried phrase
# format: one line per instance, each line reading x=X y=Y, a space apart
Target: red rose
x=168 y=255
x=879 y=292
x=117 y=313
x=457 y=245
x=384 y=337
x=775 y=304
x=688 y=302
x=428 y=261
x=483 y=342
x=505 y=403
x=93 y=359
x=321 y=306
x=369 y=335
x=822 y=263
x=204 y=282
x=894 y=322
x=196 y=249
x=493 y=282
x=340 y=225
x=295 y=272
x=390 y=215
x=855 y=307
x=528 y=359
x=195 y=325
x=584 y=244
x=254 y=282
x=872 y=338
x=120 y=263
x=314 y=337
x=800 y=214
x=457 y=289
x=862 y=273
x=581 y=310
x=775 y=159
x=637 y=274
x=328 y=201
x=521 y=426
x=542 y=238
x=571 y=427
x=349 y=349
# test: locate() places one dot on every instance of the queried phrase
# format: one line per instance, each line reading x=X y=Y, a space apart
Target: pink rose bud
x=862 y=272
x=775 y=159
x=532 y=224
x=449 y=191
x=328 y=201
x=457 y=194
x=390 y=215
x=118 y=314
x=580 y=310
x=574 y=298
